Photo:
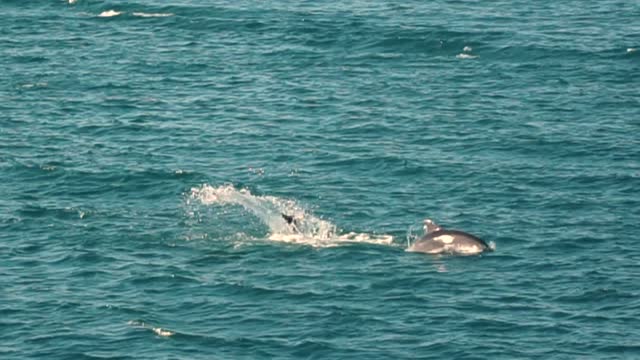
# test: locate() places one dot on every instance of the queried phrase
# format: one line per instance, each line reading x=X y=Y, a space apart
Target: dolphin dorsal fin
x=430 y=226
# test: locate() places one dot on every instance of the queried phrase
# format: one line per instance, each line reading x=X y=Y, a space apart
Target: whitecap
x=631 y=50
x=141 y=14
x=163 y=332
x=158 y=330
x=466 y=56
x=467 y=49
x=109 y=13
x=34 y=85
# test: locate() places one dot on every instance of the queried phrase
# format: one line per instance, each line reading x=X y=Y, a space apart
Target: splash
x=305 y=229
x=415 y=232
x=492 y=246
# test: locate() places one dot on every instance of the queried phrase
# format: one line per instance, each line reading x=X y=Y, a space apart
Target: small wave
x=307 y=228
x=141 y=14
x=157 y=330
x=109 y=13
x=34 y=85
x=631 y=50
x=163 y=332
x=112 y=13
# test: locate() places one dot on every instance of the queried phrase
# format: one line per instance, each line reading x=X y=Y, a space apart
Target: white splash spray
x=306 y=229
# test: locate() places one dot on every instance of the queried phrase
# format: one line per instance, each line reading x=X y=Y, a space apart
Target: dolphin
x=438 y=240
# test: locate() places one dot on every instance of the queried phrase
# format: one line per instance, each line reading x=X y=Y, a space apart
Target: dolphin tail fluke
x=288 y=218
x=292 y=221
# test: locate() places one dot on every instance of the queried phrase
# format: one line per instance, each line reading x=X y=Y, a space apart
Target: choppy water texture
x=147 y=148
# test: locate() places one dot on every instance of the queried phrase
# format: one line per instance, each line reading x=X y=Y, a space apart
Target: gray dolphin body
x=438 y=240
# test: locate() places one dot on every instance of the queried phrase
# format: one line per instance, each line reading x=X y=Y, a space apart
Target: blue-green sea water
x=147 y=149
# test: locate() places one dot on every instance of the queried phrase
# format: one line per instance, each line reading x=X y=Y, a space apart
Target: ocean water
x=147 y=150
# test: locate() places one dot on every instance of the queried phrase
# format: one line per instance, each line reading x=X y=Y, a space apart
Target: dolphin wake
x=308 y=229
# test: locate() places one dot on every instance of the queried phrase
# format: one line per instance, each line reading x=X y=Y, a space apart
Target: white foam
x=467 y=49
x=141 y=14
x=72 y=1
x=466 y=56
x=34 y=85
x=159 y=331
x=163 y=332
x=109 y=13
x=631 y=50
x=307 y=229
x=381 y=239
x=351 y=237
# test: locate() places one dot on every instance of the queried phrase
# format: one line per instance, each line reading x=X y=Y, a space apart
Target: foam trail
x=308 y=229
